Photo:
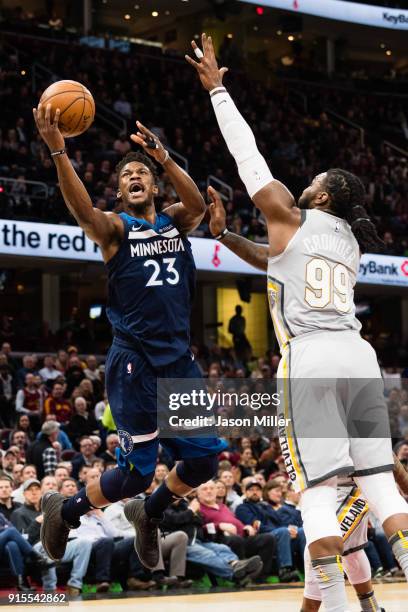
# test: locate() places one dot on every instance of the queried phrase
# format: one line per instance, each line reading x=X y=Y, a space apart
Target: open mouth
x=136 y=188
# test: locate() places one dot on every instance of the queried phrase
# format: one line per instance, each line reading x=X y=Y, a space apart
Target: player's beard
x=303 y=202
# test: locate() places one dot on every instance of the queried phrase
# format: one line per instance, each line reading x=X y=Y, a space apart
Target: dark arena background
x=322 y=83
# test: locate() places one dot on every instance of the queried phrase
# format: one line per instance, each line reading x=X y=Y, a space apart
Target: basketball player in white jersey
x=314 y=251
x=352 y=508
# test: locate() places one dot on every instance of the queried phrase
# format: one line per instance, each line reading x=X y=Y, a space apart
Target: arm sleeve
x=240 y=140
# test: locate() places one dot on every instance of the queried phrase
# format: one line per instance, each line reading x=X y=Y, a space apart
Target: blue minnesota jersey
x=151 y=283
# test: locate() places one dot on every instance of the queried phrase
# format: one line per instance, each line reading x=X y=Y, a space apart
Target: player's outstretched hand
x=218 y=216
x=149 y=141
x=49 y=130
x=207 y=68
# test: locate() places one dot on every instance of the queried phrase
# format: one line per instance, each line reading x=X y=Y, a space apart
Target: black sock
x=76 y=506
x=158 y=501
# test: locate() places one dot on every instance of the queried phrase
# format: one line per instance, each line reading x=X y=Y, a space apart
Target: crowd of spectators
x=242 y=528
x=167 y=96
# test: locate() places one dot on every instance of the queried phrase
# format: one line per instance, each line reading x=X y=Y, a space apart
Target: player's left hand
x=218 y=215
x=207 y=68
x=151 y=144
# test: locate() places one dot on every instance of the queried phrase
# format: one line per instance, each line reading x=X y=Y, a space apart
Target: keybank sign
x=352 y=12
x=383 y=270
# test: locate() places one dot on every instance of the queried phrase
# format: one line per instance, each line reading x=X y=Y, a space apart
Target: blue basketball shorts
x=131 y=383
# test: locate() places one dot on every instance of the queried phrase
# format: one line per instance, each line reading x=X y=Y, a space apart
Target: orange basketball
x=76 y=104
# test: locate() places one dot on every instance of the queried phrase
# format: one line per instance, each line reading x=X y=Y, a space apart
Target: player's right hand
x=218 y=216
x=207 y=68
x=49 y=130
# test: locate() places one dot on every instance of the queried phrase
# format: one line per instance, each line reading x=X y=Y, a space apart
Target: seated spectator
x=247 y=463
x=100 y=408
x=289 y=511
x=44 y=452
x=217 y=559
x=253 y=511
x=23 y=424
x=19 y=438
x=62 y=438
x=112 y=443
x=85 y=457
x=220 y=492
x=272 y=493
x=78 y=552
x=173 y=548
x=244 y=540
x=29 y=401
x=9 y=460
x=49 y=372
x=8 y=390
x=49 y=483
x=107 y=553
x=17 y=472
x=17 y=551
x=87 y=390
x=160 y=473
x=29 y=367
x=29 y=472
x=57 y=405
x=82 y=423
x=92 y=371
x=68 y=487
x=233 y=498
x=7 y=503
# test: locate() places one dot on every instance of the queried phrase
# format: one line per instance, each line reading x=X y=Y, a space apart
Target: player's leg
x=126 y=392
x=372 y=454
x=325 y=543
x=145 y=515
x=391 y=509
x=198 y=464
x=312 y=598
x=314 y=459
x=358 y=570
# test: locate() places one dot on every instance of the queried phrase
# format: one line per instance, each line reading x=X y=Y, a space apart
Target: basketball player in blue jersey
x=151 y=277
x=314 y=253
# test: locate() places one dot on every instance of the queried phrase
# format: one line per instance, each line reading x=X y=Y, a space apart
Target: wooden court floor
x=393 y=597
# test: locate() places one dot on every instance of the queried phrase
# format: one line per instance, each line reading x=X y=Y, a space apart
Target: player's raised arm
x=188 y=213
x=268 y=194
x=104 y=228
x=252 y=253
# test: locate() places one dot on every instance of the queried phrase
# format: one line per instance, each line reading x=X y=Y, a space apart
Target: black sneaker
x=54 y=530
x=146 y=538
x=246 y=569
x=288 y=574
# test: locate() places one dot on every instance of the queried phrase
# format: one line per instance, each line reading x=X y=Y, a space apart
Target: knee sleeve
x=319 y=506
x=117 y=484
x=194 y=472
x=357 y=567
x=312 y=589
x=382 y=495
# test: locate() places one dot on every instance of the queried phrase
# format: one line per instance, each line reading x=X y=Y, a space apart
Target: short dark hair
x=133 y=156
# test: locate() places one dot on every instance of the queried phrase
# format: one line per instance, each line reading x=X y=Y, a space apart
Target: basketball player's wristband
x=222 y=234
x=60 y=152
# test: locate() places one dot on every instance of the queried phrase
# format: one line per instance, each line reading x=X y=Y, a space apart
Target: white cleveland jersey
x=311 y=284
